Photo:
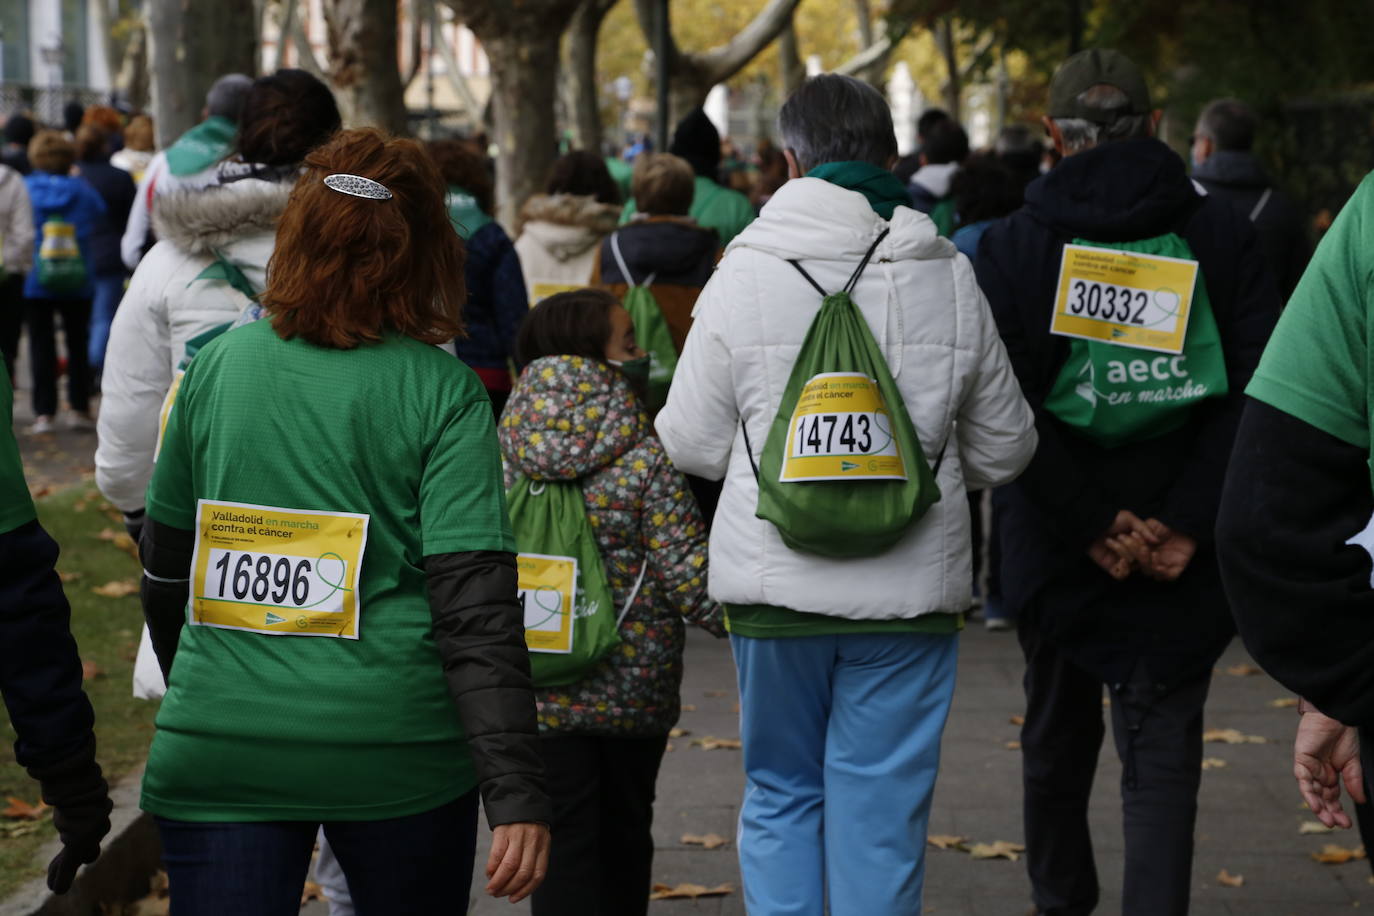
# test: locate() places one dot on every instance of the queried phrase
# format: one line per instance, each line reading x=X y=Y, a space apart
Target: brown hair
x=103 y=117
x=462 y=165
x=662 y=184
x=584 y=174
x=345 y=269
x=90 y=143
x=575 y=323
x=138 y=136
x=285 y=116
x=49 y=151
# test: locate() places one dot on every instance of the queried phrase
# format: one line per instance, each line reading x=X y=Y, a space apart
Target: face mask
x=636 y=370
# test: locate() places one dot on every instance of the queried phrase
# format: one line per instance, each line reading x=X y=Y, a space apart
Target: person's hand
x=1172 y=555
x=1325 y=754
x=1113 y=561
x=80 y=799
x=519 y=860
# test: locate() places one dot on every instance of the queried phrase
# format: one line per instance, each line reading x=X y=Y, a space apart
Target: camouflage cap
x=1094 y=67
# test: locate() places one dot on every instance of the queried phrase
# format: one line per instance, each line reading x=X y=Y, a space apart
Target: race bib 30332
x=1124 y=297
x=841 y=430
x=283 y=572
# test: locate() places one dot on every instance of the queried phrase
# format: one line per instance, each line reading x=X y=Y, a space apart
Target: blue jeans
x=108 y=292
x=405 y=866
x=841 y=747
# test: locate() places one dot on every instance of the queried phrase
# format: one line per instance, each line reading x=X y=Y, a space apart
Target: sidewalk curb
x=128 y=858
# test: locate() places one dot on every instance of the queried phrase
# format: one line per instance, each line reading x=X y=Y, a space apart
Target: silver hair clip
x=358 y=186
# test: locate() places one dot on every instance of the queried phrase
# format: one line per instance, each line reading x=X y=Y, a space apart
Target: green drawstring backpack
x=651 y=331
x=842 y=473
x=61 y=269
x=570 y=622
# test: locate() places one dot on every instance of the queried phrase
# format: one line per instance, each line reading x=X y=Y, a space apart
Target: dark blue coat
x=497 y=300
x=116 y=187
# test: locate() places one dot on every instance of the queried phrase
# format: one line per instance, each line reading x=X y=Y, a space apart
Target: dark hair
x=461 y=164
x=72 y=113
x=985 y=188
x=345 y=269
x=945 y=143
x=584 y=174
x=928 y=119
x=832 y=118
x=285 y=116
x=91 y=144
x=1229 y=123
x=696 y=139
x=575 y=323
x=19 y=129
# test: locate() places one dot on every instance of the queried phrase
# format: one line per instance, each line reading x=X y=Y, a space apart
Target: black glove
x=80 y=799
x=133 y=523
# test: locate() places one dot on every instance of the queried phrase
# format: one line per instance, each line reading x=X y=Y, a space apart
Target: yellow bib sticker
x=841 y=430
x=1124 y=297
x=545 y=290
x=547 y=588
x=59 y=241
x=283 y=572
x=166 y=411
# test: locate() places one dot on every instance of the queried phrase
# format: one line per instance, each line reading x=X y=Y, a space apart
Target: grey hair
x=1229 y=123
x=1080 y=134
x=832 y=118
x=227 y=95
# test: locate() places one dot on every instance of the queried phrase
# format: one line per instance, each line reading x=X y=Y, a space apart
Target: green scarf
x=464 y=213
x=884 y=192
x=202 y=146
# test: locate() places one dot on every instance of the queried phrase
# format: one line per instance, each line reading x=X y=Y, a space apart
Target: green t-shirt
x=714 y=207
x=287 y=727
x=16 y=506
x=1316 y=366
x=764 y=621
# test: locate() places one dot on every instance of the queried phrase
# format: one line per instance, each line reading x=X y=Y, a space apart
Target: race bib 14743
x=547 y=591
x=284 y=572
x=1123 y=297
x=841 y=430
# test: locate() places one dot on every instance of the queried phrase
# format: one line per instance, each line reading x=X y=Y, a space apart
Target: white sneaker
x=78 y=421
x=41 y=425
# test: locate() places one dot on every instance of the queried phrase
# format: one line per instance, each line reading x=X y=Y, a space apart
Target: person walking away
x=19 y=130
x=117 y=190
x=66 y=216
x=405 y=634
x=497 y=299
x=714 y=206
x=907 y=165
x=1225 y=164
x=40 y=678
x=139 y=147
x=942 y=153
x=576 y=415
x=190 y=162
x=16 y=256
x=845 y=658
x=560 y=231
x=1106 y=539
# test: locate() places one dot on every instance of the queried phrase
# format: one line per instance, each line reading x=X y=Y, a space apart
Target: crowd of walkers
x=424 y=508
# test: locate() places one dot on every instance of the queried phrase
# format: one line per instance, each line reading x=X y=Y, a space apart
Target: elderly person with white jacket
x=16 y=257
x=846 y=666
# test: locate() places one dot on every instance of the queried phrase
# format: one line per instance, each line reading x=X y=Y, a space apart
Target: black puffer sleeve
x=166 y=554
x=479 y=629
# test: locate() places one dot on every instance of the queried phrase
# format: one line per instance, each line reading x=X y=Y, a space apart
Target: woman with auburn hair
x=329 y=498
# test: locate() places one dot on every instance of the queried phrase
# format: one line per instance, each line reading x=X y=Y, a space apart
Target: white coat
x=932 y=323
x=16 y=225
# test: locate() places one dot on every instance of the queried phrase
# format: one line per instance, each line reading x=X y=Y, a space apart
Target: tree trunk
x=585 y=99
x=363 y=68
x=132 y=78
x=192 y=43
x=792 y=72
x=944 y=37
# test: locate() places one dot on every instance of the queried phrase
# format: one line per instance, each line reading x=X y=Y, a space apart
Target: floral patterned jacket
x=574 y=418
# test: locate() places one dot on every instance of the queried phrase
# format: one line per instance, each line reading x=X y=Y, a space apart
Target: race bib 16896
x=284 y=572
x=841 y=430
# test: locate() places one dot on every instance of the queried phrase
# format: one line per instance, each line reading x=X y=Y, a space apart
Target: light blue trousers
x=841 y=747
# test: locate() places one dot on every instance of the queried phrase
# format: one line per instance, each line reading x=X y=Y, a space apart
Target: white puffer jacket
x=924 y=307
x=165 y=306
x=16 y=224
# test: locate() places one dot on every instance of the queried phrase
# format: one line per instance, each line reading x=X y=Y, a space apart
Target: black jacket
x=1073 y=488
x=117 y=189
x=1237 y=178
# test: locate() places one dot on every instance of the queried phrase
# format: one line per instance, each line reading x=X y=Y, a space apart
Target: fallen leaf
x=80 y=505
x=120 y=588
x=90 y=670
x=69 y=576
x=712 y=744
x=688 y=891
x=22 y=810
x=709 y=840
x=311 y=891
x=1332 y=854
x=1017 y=720
x=119 y=539
x=1226 y=879
x=1213 y=763
x=1284 y=702
x=1001 y=849
x=944 y=841
x=1243 y=671
x=1314 y=827
x=689 y=707
x=677 y=732
x=670 y=747
x=1231 y=736
x=20 y=828
x=717 y=693
x=1013 y=745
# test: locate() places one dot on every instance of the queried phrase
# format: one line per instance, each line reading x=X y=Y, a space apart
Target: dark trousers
x=11 y=318
x=603 y=811
x=76 y=319
x=1159 y=738
x=405 y=866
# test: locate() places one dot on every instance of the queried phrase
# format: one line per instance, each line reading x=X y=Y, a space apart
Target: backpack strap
x=854 y=277
x=744 y=428
x=1259 y=207
x=620 y=259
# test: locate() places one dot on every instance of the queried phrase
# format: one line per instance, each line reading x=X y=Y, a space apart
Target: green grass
x=107 y=631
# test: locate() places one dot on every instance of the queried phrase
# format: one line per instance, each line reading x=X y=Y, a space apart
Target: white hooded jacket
x=165 y=306
x=933 y=325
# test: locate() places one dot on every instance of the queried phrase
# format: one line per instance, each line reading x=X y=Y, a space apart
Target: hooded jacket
x=16 y=222
x=928 y=317
x=165 y=306
x=76 y=202
x=1237 y=177
x=571 y=418
x=1073 y=489
x=117 y=190
x=675 y=253
x=558 y=241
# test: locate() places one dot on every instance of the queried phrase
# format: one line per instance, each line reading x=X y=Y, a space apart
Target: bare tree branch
x=725 y=61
